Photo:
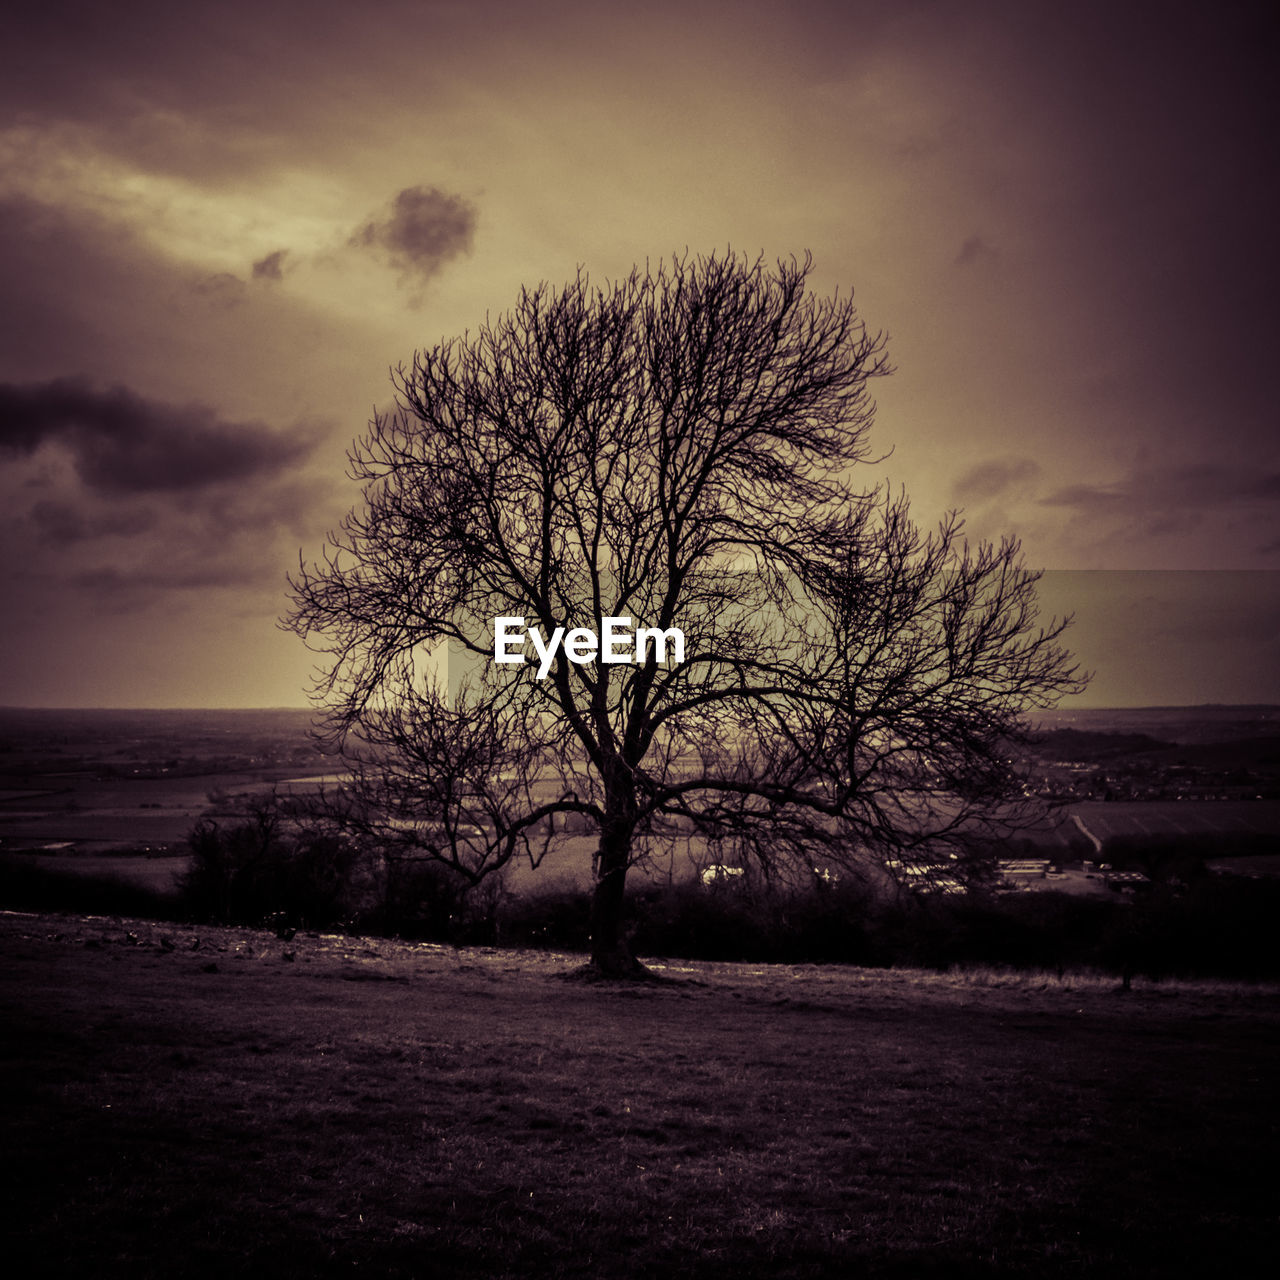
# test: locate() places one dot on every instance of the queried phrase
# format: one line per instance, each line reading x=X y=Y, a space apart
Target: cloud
x=63 y=524
x=993 y=478
x=122 y=443
x=134 y=589
x=1214 y=516
x=119 y=499
x=221 y=289
x=422 y=230
x=271 y=267
x=1172 y=489
x=974 y=250
x=1165 y=636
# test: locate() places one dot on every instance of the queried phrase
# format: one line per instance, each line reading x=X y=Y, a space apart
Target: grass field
x=1180 y=817
x=381 y=1109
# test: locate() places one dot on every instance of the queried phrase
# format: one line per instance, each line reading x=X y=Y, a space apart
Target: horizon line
x=1135 y=706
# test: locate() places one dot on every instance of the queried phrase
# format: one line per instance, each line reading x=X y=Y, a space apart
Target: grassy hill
x=184 y=1102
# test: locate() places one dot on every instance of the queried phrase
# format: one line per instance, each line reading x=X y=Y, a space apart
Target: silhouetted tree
x=675 y=449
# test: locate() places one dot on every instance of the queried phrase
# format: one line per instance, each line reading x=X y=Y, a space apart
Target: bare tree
x=674 y=450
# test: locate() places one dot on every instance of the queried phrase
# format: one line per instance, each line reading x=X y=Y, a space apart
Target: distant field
x=93 y=811
x=150 y=827
x=95 y=816
x=569 y=866
x=1059 y=835
x=143 y=811
x=1180 y=817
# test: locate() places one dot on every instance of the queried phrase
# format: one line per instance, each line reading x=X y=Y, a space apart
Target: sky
x=223 y=225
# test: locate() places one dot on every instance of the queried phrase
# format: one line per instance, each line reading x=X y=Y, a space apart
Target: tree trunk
x=611 y=955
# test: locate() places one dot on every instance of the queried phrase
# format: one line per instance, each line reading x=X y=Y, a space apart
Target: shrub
x=555 y=919
x=254 y=870
x=428 y=901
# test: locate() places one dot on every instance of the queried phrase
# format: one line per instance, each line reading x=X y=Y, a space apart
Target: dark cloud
x=61 y=524
x=995 y=477
x=179 y=88
x=112 y=497
x=121 y=501
x=123 y=443
x=138 y=588
x=1230 y=510
x=974 y=250
x=87 y=294
x=1172 y=489
x=271 y=267
x=137 y=550
x=220 y=290
x=422 y=230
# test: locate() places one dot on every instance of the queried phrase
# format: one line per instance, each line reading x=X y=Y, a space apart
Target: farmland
x=119 y=792
x=1192 y=818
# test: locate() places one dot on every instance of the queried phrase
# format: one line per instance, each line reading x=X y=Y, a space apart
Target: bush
x=1044 y=930
x=253 y=871
x=554 y=919
x=1218 y=928
x=429 y=901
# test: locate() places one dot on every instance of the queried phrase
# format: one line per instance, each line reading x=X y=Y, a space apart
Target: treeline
x=1216 y=928
x=267 y=870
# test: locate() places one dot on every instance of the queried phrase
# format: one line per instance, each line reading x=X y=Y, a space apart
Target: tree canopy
x=680 y=450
